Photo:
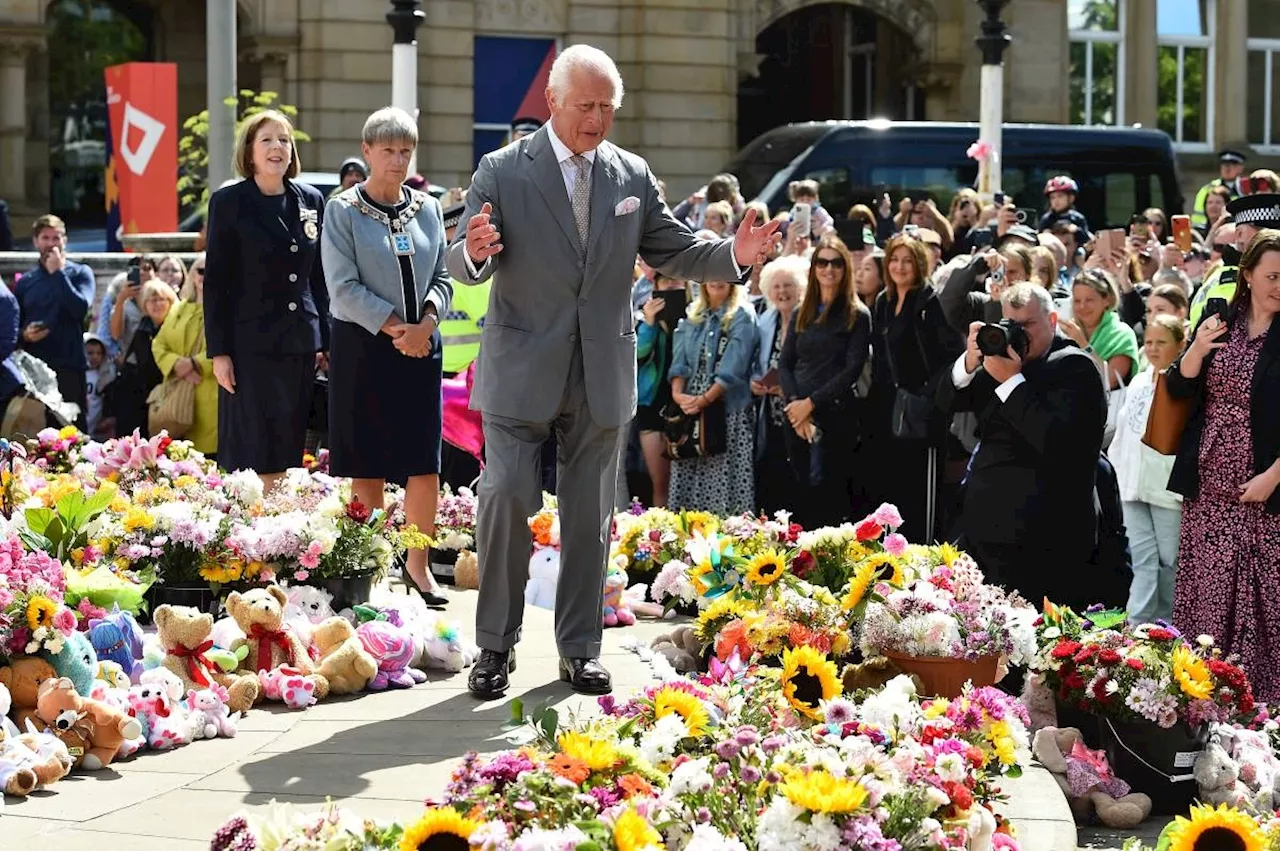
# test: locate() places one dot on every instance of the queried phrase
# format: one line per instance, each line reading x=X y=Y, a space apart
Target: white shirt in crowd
x=1143 y=473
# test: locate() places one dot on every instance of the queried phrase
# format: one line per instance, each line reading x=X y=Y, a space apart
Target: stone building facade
x=689 y=67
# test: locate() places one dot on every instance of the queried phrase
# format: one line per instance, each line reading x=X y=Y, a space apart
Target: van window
x=941 y=182
x=834 y=190
x=1122 y=197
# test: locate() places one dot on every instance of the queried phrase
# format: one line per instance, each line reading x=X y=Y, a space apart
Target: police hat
x=453 y=216
x=1230 y=156
x=1261 y=211
x=525 y=125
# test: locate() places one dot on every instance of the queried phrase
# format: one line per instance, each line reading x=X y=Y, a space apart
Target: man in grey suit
x=569 y=212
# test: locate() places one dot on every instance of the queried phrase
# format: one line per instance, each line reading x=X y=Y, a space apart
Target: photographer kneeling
x=1029 y=518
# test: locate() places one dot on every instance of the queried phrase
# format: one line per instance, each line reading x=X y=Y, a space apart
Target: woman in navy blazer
x=266 y=304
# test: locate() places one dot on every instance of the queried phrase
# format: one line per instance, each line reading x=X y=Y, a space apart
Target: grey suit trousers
x=510 y=494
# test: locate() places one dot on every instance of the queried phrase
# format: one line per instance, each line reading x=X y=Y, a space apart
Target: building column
x=1141 y=62
x=273 y=68
x=13 y=123
x=1231 y=75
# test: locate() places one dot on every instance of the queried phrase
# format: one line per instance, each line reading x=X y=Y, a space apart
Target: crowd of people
x=992 y=377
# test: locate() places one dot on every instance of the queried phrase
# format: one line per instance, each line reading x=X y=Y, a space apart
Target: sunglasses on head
x=833 y=262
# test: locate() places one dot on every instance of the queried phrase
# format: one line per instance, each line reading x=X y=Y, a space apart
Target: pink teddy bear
x=289 y=685
x=165 y=721
x=209 y=714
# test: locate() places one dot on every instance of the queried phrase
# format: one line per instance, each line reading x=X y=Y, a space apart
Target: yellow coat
x=172 y=343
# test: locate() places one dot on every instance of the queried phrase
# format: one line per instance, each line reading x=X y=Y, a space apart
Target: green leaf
x=550 y=723
x=33 y=540
x=1014 y=771
x=38 y=519
x=517 y=710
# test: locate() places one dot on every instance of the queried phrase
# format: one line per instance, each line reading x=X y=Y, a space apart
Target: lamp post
x=994 y=40
x=405 y=17
x=220 y=21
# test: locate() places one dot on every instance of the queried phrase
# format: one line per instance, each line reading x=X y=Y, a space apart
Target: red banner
x=142 y=165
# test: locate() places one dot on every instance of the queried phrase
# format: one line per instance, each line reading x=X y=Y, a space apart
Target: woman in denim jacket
x=700 y=375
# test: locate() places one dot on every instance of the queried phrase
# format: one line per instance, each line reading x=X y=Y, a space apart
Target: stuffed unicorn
x=393 y=647
x=116 y=637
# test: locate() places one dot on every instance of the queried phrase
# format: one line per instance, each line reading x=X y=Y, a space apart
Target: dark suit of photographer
x=1029 y=516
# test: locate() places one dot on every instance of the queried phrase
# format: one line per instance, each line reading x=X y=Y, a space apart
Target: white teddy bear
x=544 y=575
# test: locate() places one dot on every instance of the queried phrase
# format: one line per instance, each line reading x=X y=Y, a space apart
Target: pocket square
x=627 y=206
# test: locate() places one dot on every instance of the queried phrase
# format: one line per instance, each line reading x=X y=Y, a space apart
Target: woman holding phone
x=655 y=330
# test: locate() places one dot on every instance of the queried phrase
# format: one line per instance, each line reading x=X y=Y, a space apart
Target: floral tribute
x=33 y=616
x=456 y=520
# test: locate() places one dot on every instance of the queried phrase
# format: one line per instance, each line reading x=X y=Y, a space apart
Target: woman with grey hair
x=383 y=249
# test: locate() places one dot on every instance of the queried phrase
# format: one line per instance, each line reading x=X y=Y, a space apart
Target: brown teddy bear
x=873 y=673
x=260 y=615
x=184 y=634
x=104 y=727
x=1089 y=785
x=681 y=649
x=344 y=662
x=23 y=678
x=466 y=571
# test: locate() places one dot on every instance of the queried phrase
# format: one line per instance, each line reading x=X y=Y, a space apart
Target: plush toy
x=447 y=648
x=118 y=638
x=680 y=648
x=77 y=661
x=28 y=761
x=184 y=634
x=163 y=720
x=1238 y=768
x=1041 y=706
x=544 y=575
x=1259 y=768
x=308 y=606
x=22 y=678
x=344 y=662
x=260 y=615
x=392 y=647
x=111 y=675
x=104 y=727
x=226 y=660
x=226 y=633
x=466 y=571
x=289 y=685
x=210 y=717
x=871 y=674
x=1086 y=779
x=152 y=653
x=1217 y=775
x=616 y=610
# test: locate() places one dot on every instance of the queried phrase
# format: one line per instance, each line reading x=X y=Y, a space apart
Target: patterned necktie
x=582 y=197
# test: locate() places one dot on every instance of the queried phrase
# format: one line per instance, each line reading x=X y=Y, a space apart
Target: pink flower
x=979 y=150
x=65 y=621
x=895 y=544
x=311 y=558
x=888 y=515
x=301 y=575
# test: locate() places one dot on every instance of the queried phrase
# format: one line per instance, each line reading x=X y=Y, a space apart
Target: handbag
x=1115 y=401
x=912 y=411
x=700 y=436
x=171 y=404
x=1166 y=420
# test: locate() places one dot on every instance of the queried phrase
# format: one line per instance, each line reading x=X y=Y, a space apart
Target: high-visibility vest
x=461 y=326
x=1213 y=287
x=1199 y=219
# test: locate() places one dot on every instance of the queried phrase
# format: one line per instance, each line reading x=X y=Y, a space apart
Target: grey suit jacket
x=548 y=300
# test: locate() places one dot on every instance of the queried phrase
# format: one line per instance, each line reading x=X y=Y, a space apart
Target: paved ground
x=380 y=754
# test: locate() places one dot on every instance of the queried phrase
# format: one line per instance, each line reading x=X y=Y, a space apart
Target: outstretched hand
x=483 y=239
x=752 y=244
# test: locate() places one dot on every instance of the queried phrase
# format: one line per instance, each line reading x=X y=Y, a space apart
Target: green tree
x=1192 y=70
x=193 y=147
x=1100 y=16
x=90 y=37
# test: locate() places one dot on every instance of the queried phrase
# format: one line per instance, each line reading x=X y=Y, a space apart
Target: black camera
x=996 y=338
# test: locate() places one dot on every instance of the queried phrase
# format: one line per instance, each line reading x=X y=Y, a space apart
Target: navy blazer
x=264 y=290
x=10 y=377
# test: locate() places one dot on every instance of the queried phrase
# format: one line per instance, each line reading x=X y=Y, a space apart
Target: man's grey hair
x=583 y=57
x=1019 y=296
x=390 y=124
x=1172 y=276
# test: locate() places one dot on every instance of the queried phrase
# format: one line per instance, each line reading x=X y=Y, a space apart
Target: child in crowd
x=98 y=380
x=806 y=192
x=1061 y=192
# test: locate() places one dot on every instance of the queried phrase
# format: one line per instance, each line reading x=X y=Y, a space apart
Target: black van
x=1120 y=170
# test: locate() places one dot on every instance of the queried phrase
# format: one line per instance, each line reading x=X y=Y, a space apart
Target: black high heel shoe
x=431 y=598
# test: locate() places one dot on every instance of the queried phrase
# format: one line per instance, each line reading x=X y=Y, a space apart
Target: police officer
x=1230 y=166
x=522 y=127
x=461 y=326
x=266 y=304
x=1250 y=213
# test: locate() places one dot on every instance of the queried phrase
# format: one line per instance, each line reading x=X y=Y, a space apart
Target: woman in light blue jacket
x=383 y=250
x=782 y=282
x=705 y=370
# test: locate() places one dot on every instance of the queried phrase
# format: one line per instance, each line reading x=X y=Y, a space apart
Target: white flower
x=780 y=828
x=1112 y=687
x=707 y=838
x=1052 y=632
x=1205 y=641
x=951 y=767
x=693 y=776
x=936 y=796
x=658 y=745
x=823 y=834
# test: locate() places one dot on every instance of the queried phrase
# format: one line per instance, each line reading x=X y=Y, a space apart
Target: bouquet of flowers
x=57 y=450
x=456 y=520
x=132 y=458
x=948 y=612
x=831 y=556
x=1145 y=673
x=648 y=539
x=33 y=616
x=331 y=829
x=368 y=542
x=757 y=534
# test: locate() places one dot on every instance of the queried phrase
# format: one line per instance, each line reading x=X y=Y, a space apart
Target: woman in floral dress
x=1228 y=470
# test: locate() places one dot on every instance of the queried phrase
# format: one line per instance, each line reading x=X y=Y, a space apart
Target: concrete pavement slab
x=403 y=777
x=81 y=797
x=17 y=829
x=203 y=757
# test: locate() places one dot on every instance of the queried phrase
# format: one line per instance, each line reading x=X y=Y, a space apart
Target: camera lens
x=992 y=339
x=1021 y=216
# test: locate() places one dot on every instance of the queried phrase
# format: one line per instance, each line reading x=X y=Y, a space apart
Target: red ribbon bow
x=265 y=638
x=197 y=662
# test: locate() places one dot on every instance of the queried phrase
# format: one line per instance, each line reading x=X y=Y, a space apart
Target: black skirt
x=263 y=425
x=384 y=407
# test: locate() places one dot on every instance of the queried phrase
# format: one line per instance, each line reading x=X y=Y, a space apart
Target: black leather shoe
x=586 y=676
x=488 y=679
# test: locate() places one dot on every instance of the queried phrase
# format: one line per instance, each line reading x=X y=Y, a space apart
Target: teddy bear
x=343 y=660
x=1259 y=768
x=1086 y=779
x=288 y=685
x=30 y=760
x=616 y=609
x=308 y=606
x=103 y=727
x=680 y=648
x=871 y=674
x=259 y=613
x=210 y=717
x=466 y=571
x=544 y=574
x=77 y=661
x=1217 y=775
x=1238 y=768
x=1038 y=698
x=22 y=677
x=184 y=635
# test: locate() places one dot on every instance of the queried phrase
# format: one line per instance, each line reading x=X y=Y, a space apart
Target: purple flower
x=726 y=750
x=703 y=815
x=864 y=833
x=608 y=703
x=721 y=771
x=747 y=735
x=605 y=797
x=525 y=806
x=773 y=744
x=750 y=774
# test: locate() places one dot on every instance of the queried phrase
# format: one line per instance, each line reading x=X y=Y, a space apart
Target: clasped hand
x=688 y=403
x=412 y=340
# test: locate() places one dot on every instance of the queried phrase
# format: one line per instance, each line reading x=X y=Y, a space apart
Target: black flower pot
x=347 y=592
x=442 y=563
x=199 y=597
x=1155 y=760
x=1086 y=722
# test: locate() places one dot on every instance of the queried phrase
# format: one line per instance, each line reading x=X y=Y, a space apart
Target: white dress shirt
x=962 y=377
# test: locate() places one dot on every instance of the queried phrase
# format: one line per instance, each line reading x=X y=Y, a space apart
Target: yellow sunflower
x=856 y=591
x=596 y=754
x=1210 y=828
x=766 y=568
x=40 y=612
x=1191 y=673
x=632 y=833
x=722 y=609
x=822 y=792
x=886 y=568
x=670 y=701
x=700 y=521
x=695 y=577
x=440 y=829
x=808 y=678
x=221 y=574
